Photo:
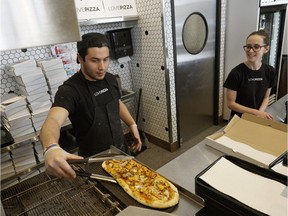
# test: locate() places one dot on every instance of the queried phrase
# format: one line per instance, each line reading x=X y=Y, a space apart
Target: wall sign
x=89 y=9
x=93 y=9
x=114 y=8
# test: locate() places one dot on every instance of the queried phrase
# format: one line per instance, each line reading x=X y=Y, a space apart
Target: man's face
x=96 y=63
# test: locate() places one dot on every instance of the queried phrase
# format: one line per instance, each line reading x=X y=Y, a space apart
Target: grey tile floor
x=155 y=156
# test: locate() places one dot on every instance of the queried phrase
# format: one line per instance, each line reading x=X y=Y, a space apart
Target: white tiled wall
x=148 y=68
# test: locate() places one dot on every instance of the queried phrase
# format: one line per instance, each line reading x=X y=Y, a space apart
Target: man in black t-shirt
x=91 y=100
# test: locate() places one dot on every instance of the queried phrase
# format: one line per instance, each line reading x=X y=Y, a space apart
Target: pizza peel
x=100 y=159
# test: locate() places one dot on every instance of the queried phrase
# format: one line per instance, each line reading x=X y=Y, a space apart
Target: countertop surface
x=278 y=109
x=183 y=169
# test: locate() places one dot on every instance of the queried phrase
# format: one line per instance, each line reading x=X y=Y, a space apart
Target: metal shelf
x=108 y=20
x=127 y=95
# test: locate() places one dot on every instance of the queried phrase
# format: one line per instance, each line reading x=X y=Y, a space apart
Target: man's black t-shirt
x=74 y=96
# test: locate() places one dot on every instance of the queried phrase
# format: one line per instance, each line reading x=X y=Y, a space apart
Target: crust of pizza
x=143 y=184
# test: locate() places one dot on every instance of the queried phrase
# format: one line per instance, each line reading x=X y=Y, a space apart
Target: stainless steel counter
x=278 y=109
x=183 y=169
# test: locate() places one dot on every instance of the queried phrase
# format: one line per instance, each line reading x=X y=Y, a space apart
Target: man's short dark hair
x=89 y=40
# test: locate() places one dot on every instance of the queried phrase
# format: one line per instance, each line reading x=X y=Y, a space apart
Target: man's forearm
x=125 y=115
x=50 y=133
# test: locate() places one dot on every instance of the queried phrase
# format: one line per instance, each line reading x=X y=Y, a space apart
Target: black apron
x=106 y=129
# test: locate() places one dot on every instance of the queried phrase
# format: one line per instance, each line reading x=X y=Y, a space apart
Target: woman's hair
x=263 y=34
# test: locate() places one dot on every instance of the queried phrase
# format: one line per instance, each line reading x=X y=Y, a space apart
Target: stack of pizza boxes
x=54 y=73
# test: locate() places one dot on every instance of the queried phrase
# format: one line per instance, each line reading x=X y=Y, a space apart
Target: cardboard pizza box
x=251 y=138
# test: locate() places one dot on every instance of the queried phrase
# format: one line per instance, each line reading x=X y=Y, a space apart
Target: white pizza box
x=6 y=161
x=5 y=156
x=22 y=131
x=57 y=80
x=34 y=88
x=7 y=172
x=42 y=109
x=38 y=148
x=15 y=112
x=37 y=89
x=43 y=96
x=40 y=105
x=17 y=122
x=256 y=140
x=11 y=101
x=114 y=8
x=38 y=125
x=6 y=165
x=22 y=67
x=25 y=149
x=54 y=73
x=15 y=119
x=54 y=87
x=41 y=113
x=50 y=64
x=30 y=77
x=38 y=119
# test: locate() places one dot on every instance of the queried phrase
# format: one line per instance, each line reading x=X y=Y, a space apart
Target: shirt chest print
x=255 y=79
x=101 y=92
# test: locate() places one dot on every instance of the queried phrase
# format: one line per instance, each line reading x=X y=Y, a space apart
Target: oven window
x=195 y=32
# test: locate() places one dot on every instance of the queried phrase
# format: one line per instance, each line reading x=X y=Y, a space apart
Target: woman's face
x=257 y=48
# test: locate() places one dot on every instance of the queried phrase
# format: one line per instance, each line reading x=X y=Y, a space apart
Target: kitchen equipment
x=98 y=159
x=30 y=23
x=219 y=203
x=95 y=176
x=195 y=74
x=47 y=195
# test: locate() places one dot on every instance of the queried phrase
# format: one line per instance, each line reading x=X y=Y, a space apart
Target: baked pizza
x=143 y=184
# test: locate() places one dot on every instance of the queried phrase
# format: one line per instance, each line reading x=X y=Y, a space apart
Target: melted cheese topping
x=142 y=181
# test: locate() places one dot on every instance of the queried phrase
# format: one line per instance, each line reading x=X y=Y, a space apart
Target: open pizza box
x=251 y=138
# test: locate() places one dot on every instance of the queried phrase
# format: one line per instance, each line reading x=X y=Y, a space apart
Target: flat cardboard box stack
x=38 y=149
x=31 y=83
x=256 y=140
x=54 y=73
x=7 y=168
x=15 y=115
x=23 y=157
x=38 y=119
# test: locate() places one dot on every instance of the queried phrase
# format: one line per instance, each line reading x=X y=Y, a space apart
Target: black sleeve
x=65 y=97
x=232 y=80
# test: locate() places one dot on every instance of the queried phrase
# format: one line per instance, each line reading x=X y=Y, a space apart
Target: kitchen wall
x=151 y=67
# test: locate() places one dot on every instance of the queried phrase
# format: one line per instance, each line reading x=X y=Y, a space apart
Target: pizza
x=143 y=184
